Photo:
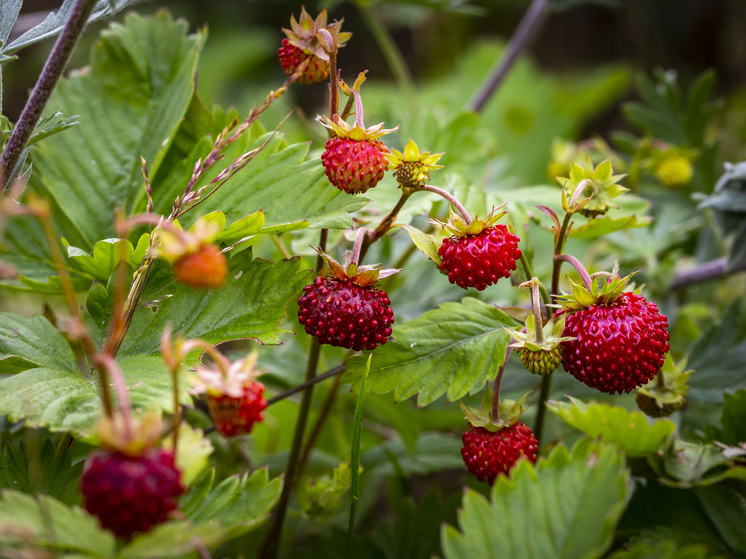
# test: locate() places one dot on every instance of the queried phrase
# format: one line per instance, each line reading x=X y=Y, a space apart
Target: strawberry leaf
x=452 y=350
x=630 y=431
x=66 y=401
x=52 y=524
x=32 y=342
x=569 y=503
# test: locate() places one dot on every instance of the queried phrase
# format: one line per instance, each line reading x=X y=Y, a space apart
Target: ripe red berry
x=489 y=454
x=343 y=314
x=237 y=416
x=618 y=346
x=291 y=57
x=131 y=494
x=480 y=260
x=354 y=166
x=205 y=269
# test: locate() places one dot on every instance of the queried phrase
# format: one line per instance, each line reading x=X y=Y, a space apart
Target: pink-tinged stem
x=455 y=203
x=496 y=388
x=359 y=238
x=579 y=267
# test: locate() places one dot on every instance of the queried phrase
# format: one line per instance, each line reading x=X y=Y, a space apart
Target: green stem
x=271 y=545
x=393 y=56
x=326 y=408
x=384 y=226
x=529 y=276
x=546 y=382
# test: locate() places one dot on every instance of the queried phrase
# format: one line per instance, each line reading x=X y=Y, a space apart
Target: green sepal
x=607 y=293
x=509 y=411
x=456 y=224
x=669 y=387
x=428 y=244
x=598 y=195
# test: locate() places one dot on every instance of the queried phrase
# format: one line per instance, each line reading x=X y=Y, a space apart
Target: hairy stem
x=385 y=224
x=360 y=235
x=578 y=266
x=559 y=246
x=522 y=36
x=536 y=309
x=50 y=75
x=452 y=199
x=496 y=389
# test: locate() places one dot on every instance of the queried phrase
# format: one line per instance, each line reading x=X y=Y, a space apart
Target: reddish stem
x=579 y=267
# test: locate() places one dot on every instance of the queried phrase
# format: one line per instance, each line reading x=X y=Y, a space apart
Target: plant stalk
x=385 y=224
x=532 y=20
x=334 y=371
x=452 y=199
x=50 y=75
x=271 y=545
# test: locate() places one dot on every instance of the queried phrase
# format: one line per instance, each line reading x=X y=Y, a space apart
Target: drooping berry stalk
x=452 y=199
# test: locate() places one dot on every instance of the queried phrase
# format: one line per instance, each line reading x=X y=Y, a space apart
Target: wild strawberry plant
x=161 y=392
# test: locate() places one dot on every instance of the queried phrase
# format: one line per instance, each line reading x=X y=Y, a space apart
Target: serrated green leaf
x=279 y=181
x=37 y=467
x=565 y=507
x=251 y=305
x=130 y=104
x=689 y=463
x=32 y=342
x=174 y=539
x=66 y=401
x=630 y=431
x=733 y=418
x=452 y=350
x=235 y=501
x=726 y=508
x=102 y=262
x=654 y=545
x=51 y=524
x=54 y=22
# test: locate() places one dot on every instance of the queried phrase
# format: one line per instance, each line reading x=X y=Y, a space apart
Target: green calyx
x=362 y=276
x=666 y=393
x=599 y=188
x=303 y=33
x=609 y=291
x=357 y=132
x=412 y=168
x=458 y=226
x=540 y=349
x=509 y=412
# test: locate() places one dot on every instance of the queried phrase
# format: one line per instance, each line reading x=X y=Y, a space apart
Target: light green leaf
x=192 y=455
x=174 y=539
x=106 y=254
x=51 y=524
x=130 y=104
x=566 y=508
x=32 y=342
x=244 y=500
x=630 y=431
x=66 y=401
x=251 y=305
x=451 y=350
x=428 y=244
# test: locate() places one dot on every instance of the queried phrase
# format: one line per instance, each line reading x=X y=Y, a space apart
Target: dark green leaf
x=251 y=305
x=565 y=507
x=130 y=104
x=451 y=350
x=734 y=418
x=726 y=507
x=37 y=467
x=432 y=453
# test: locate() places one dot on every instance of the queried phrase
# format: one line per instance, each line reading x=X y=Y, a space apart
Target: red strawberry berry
x=291 y=57
x=237 y=416
x=618 y=345
x=131 y=494
x=341 y=313
x=354 y=166
x=205 y=269
x=480 y=260
x=489 y=454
